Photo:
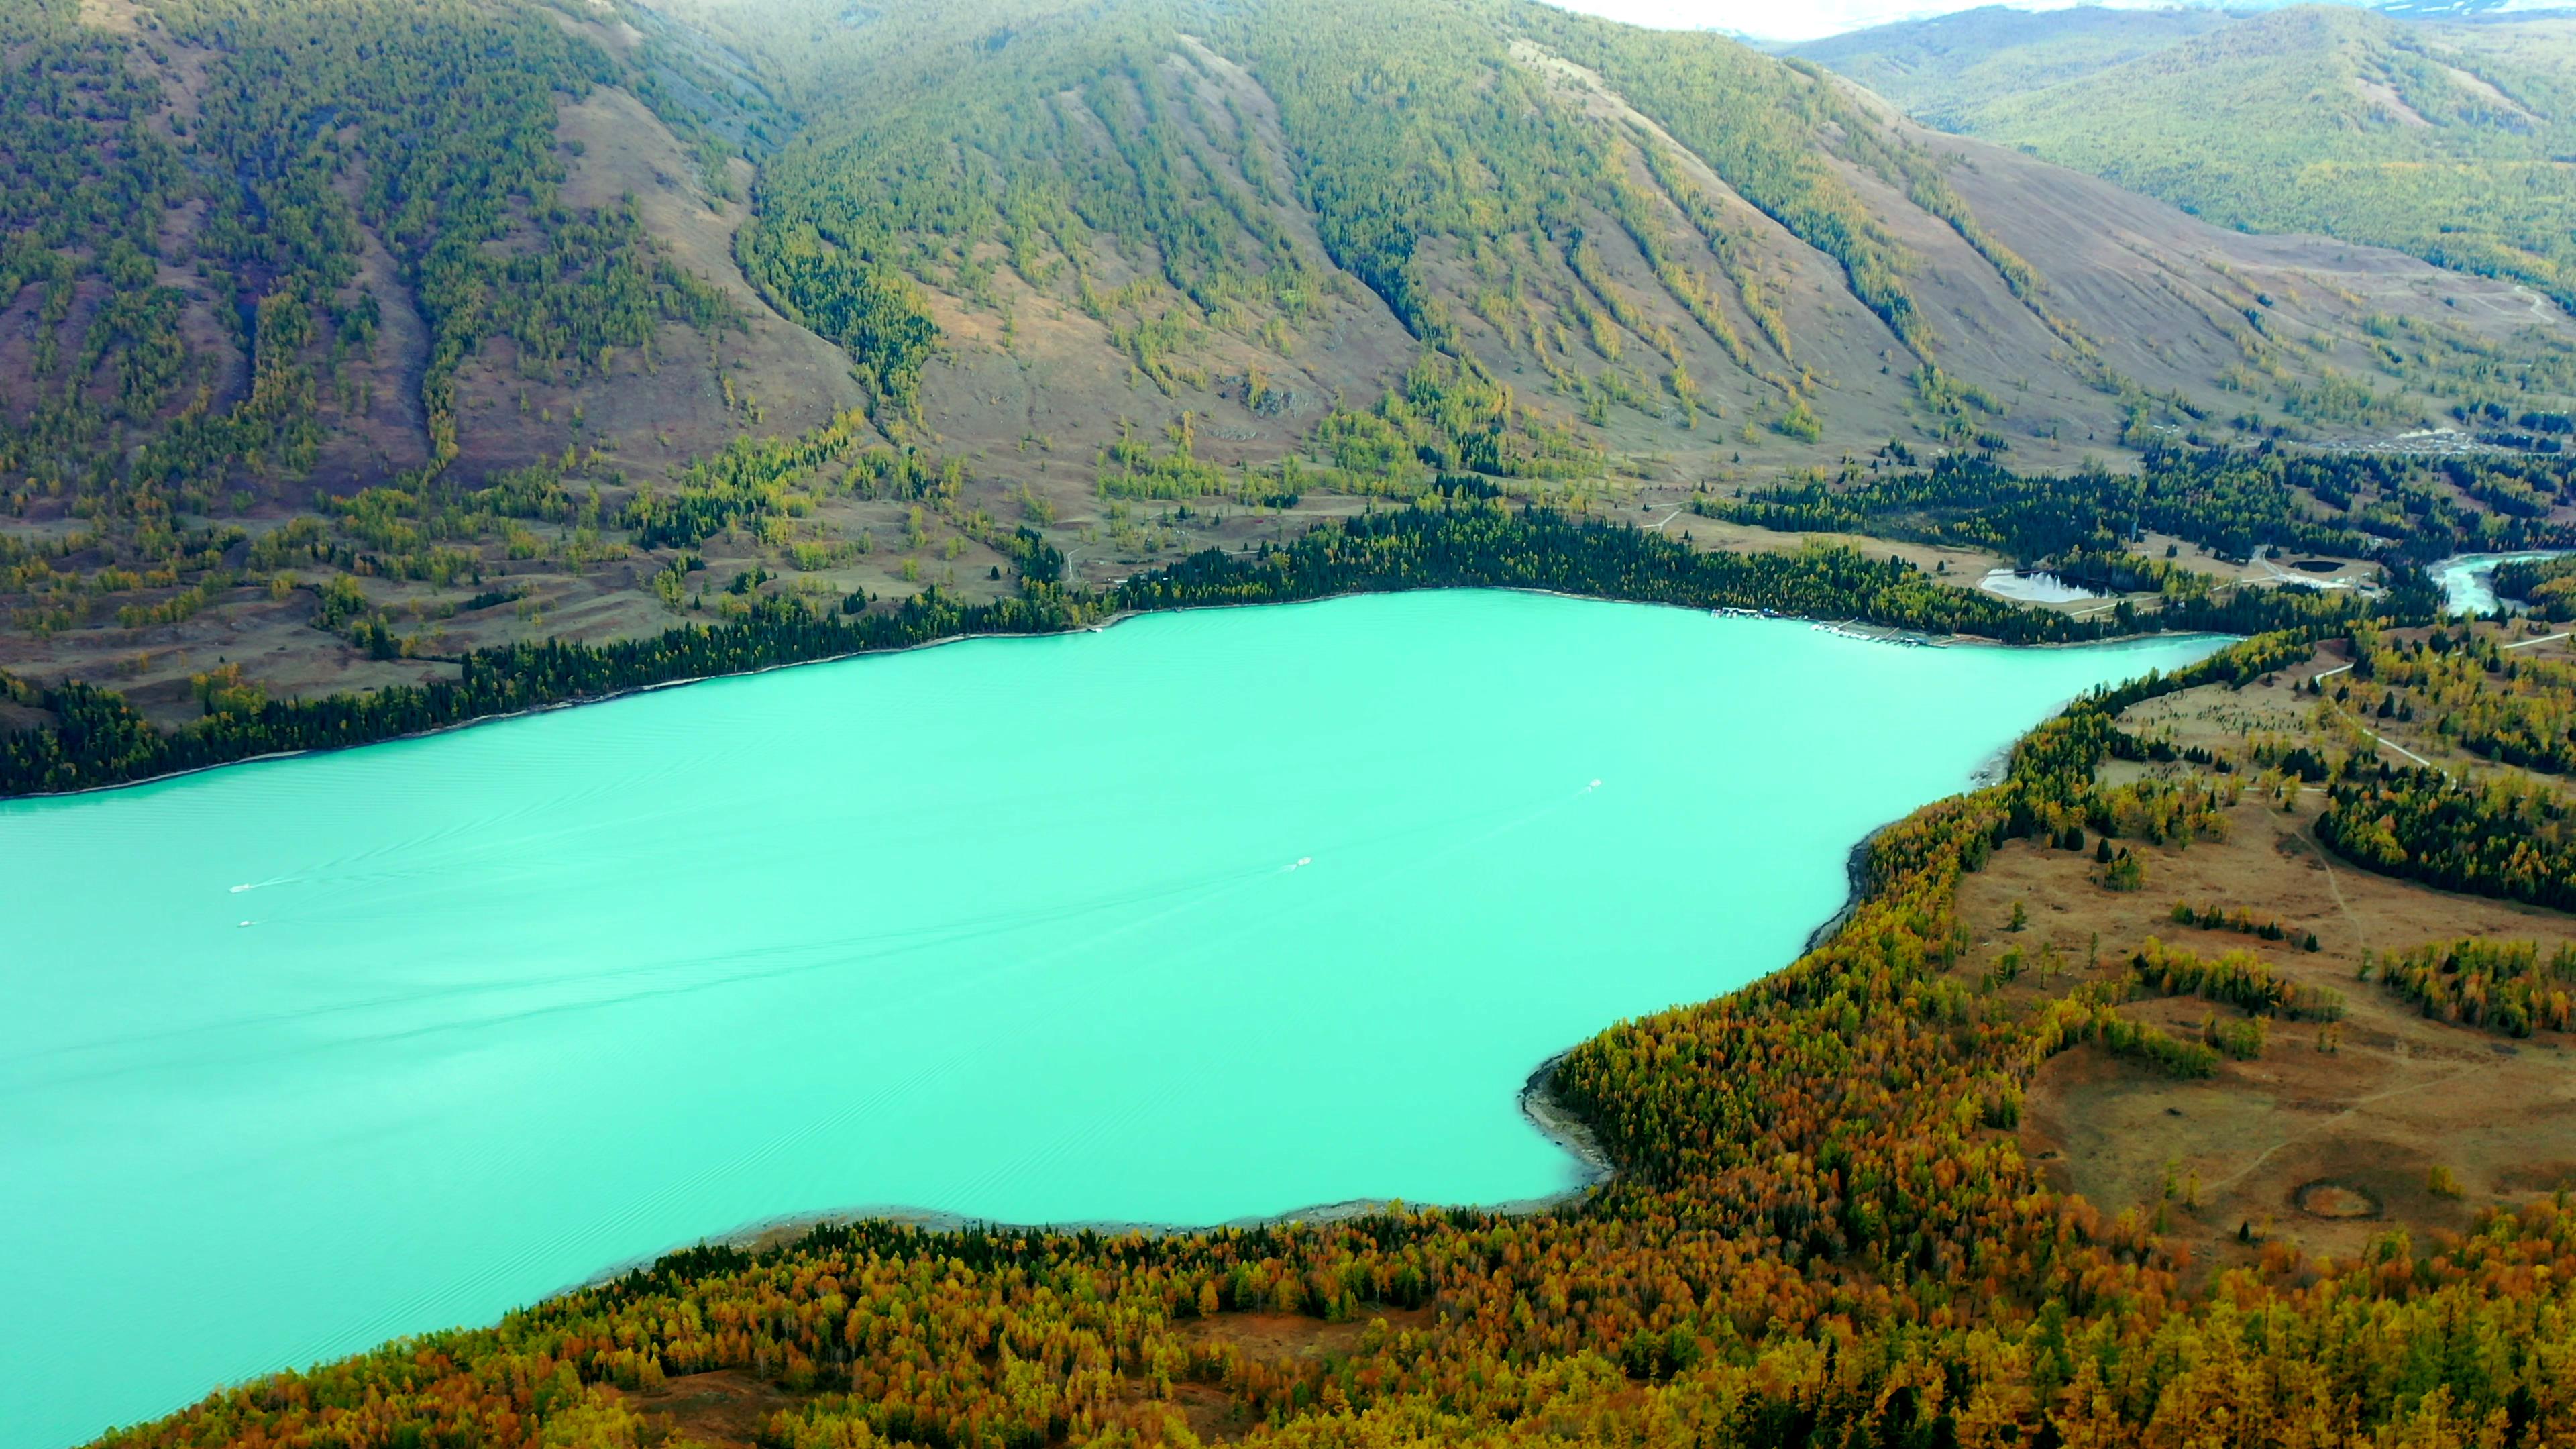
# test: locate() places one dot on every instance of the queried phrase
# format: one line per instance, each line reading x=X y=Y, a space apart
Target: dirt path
x=2325 y=861
x=2338 y=1119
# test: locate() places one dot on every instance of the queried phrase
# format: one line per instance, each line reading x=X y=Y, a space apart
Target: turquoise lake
x=1204 y=916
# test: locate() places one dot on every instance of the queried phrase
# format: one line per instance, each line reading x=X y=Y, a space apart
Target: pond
x=2034 y=587
x=1205 y=916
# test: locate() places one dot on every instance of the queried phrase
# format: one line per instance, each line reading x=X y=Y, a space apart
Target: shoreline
x=1539 y=1105
x=1554 y=1120
x=1856 y=876
x=534 y=710
x=1107 y=622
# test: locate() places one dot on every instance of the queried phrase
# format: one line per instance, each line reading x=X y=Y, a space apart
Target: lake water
x=1208 y=915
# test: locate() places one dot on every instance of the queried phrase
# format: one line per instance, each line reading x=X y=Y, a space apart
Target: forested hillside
x=328 y=298
x=1942 y=68
x=2447 y=140
x=343 y=338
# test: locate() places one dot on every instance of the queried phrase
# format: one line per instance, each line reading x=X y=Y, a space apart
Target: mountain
x=2450 y=141
x=1940 y=68
x=2475 y=10
x=345 y=336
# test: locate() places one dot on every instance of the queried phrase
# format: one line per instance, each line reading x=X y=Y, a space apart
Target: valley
x=1426 y=498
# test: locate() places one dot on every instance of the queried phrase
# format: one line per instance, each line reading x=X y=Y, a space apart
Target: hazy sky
x=1775 y=19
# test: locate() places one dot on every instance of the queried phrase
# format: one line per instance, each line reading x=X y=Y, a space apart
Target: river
x=2467 y=580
